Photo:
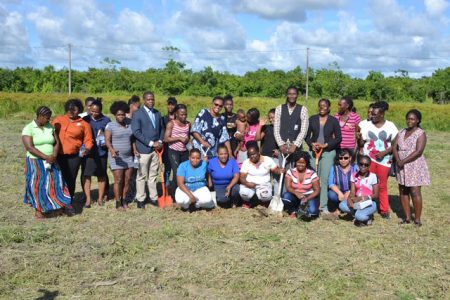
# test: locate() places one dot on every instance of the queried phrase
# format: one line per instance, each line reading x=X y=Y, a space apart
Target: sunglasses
x=218 y=105
x=364 y=165
x=344 y=157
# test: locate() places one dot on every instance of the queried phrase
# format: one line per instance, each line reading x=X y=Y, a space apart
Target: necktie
x=152 y=117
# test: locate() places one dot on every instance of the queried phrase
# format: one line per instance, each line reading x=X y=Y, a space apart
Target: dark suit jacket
x=331 y=132
x=144 y=131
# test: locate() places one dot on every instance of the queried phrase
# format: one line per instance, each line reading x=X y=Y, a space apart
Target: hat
x=172 y=101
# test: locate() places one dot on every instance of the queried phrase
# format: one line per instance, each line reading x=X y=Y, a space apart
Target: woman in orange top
x=75 y=136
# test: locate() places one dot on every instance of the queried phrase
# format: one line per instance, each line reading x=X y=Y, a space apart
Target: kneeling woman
x=302 y=188
x=191 y=178
x=364 y=189
x=255 y=176
x=224 y=174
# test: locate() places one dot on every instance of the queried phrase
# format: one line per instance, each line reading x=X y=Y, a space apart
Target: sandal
x=404 y=221
x=418 y=223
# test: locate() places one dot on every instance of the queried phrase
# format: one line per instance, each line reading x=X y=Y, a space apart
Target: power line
x=302 y=50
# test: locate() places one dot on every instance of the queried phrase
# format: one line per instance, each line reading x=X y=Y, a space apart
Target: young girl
x=177 y=136
x=364 y=189
x=252 y=127
x=266 y=136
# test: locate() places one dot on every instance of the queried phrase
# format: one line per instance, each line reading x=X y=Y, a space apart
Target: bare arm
x=29 y=146
x=375 y=191
x=108 y=142
x=420 y=147
x=243 y=178
x=168 y=134
x=316 y=190
x=184 y=188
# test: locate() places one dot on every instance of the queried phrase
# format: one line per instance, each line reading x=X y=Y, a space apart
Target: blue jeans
x=292 y=203
x=224 y=201
x=361 y=215
x=333 y=200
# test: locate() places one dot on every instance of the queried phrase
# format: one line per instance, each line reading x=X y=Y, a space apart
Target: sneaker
x=385 y=216
x=141 y=205
x=246 y=206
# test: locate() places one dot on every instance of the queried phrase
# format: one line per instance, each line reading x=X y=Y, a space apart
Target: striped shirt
x=348 y=129
x=305 y=187
x=179 y=131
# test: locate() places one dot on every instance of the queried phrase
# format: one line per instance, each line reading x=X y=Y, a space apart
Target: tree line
x=176 y=79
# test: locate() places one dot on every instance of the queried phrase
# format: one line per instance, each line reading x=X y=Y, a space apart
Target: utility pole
x=307 y=76
x=70 y=69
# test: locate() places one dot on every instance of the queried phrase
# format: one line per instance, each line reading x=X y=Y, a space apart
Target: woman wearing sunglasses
x=210 y=129
x=339 y=180
x=364 y=189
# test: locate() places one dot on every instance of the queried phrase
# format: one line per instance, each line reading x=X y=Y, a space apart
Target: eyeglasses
x=218 y=105
x=344 y=157
x=364 y=165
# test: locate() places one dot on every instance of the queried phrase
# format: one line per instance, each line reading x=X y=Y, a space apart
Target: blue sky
x=229 y=35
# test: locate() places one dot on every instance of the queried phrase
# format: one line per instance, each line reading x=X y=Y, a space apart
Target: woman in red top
x=302 y=188
x=75 y=136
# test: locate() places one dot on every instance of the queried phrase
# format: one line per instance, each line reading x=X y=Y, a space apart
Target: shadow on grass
x=394 y=202
x=47 y=295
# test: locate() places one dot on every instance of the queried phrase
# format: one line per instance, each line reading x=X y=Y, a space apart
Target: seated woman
x=255 y=176
x=192 y=191
x=302 y=188
x=224 y=177
x=365 y=187
x=339 y=179
x=45 y=189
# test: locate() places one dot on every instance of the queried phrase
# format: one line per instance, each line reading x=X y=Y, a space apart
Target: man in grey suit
x=149 y=132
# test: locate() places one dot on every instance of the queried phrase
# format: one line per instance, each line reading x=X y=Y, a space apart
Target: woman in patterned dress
x=210 y=129
x=412 y=170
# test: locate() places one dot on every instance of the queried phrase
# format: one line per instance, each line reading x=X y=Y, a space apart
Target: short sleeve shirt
x=43 y=139
x=194 y=178
x=364 y=185
x=377 y=140
x=258 y=173
x=222 y=175
x=306 y=186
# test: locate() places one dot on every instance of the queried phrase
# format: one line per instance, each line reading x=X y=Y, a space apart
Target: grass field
x=237 y=254
x=23 y=106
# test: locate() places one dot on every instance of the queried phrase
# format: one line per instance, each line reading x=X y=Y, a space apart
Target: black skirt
x=95 y=166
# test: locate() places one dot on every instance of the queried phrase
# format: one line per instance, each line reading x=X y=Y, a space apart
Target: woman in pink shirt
x=348 y=121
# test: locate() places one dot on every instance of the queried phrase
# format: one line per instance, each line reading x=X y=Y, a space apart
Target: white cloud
x=14 y=45
x=436 y=8
x=289 y=10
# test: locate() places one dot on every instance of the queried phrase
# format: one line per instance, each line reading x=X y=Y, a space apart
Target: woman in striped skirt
x=177 y=136
x=45 y=189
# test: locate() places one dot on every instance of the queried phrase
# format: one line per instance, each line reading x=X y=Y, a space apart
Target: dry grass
x=234 y=253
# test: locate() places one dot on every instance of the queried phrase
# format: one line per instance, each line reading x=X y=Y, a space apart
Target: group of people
x=328 y=165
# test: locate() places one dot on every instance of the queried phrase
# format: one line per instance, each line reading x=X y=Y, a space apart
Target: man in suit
x=148 y=130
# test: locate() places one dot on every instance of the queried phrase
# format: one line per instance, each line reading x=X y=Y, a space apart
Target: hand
x=292 y=149
x=299 y=195
x=114 y=153
x=137 y=154
x=281 y=171
x=283 y=149
x=346 y=195
x=84 y=153
x=250 y=185
x=50 y=159
x=341 y=196
x=315 y=147
x=184 y=140
x=276 y=153
x=227 y=191
x=157 y=145
x=400 y=164
x=205 y=144
x=239 y=136
x=380 y=155
x=192 y=199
